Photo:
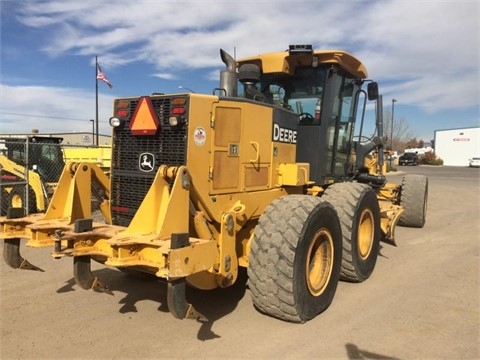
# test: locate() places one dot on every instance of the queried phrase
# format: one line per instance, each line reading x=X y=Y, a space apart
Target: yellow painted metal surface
x=296 y=174
x=72 y=199
x=99 y=155
x=389 y=215
x=281 y=62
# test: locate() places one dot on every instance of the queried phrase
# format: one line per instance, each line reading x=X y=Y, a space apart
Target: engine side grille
x=129 y=184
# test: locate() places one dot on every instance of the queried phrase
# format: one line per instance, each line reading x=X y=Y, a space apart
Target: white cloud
x=48 y=109
x=164 y=76
x=427 y=52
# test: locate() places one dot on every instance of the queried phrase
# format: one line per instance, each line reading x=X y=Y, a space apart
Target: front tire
x=295 y=258
x=413 y=197
x=359 y=213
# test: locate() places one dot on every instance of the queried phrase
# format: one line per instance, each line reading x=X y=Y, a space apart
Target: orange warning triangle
x=144 y=120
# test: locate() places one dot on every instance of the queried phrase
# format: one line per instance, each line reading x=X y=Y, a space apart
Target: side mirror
x=372 y=90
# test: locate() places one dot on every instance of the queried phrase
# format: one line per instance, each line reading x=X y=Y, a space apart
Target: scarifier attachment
x=176 y=299
x=11 y=254
x=177 y=302
x=11 y=247
x=83 y=275
x=71 y=203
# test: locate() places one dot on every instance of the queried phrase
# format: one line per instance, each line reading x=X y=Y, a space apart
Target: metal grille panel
x=129 y=184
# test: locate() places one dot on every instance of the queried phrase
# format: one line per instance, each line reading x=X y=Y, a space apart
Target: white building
x=72 y=138
x=456 y=146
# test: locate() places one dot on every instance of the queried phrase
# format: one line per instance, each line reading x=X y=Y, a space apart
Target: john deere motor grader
x=265 y=173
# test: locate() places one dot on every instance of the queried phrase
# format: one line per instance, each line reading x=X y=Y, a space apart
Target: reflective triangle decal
x=144 y=120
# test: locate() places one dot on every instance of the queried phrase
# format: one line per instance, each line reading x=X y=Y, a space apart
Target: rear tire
x=295 y=258
x=413 y=197
x=359 y=212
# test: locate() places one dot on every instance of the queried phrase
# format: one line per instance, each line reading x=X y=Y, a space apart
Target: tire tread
x=273 y=257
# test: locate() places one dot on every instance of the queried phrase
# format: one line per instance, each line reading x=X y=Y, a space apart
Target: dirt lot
x=422 y=301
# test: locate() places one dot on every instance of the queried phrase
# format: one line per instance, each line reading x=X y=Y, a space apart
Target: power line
x=41 y=116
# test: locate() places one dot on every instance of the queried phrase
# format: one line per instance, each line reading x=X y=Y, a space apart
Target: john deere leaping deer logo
x=146 y=162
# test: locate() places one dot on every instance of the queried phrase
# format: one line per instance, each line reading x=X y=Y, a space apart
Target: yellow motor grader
x=270 y=172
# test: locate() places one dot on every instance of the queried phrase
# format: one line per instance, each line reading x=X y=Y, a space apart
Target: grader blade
x=83 y=275
x=177 y=302
x=11 y=254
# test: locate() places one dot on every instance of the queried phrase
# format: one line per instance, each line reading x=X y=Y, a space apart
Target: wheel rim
x=16 y=201
x=319 y=262
x=366 y=233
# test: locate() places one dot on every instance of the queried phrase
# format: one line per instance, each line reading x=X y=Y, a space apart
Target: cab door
x=340 y=123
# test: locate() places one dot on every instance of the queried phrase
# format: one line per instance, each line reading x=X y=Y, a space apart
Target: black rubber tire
x=414 y=197
x=18 y=192
x=359 y=212
x=294 y=231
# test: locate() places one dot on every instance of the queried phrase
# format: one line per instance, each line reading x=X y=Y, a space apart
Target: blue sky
x=425 y=54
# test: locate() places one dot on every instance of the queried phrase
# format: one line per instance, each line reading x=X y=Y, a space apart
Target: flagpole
x=96 y=101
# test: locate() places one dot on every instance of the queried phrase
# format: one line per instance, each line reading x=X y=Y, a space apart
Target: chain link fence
x=31 y=166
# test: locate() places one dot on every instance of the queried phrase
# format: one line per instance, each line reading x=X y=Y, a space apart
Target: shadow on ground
x=354 y=353
x=213 y=304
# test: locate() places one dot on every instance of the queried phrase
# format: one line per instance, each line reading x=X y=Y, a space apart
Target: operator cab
x=45 y=155
x=323 y=88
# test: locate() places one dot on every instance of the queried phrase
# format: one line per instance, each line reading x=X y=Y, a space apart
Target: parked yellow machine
x=13 y=180
x=31 y=165
x=269 y=178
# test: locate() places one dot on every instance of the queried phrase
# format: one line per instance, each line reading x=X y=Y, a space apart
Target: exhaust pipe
x=228 y=77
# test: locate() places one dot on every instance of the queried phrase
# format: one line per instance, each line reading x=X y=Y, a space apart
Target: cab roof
x=278 y=62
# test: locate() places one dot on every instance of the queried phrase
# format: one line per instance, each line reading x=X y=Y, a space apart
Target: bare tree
x=401 y=131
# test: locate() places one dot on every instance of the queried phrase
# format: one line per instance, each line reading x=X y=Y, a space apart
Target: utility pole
x=391 y=131
x=96 y=100
x=93 y=131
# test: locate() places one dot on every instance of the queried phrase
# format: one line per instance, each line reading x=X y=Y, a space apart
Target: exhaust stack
x=228 y=77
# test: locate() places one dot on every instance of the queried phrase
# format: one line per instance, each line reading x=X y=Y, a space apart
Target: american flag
x=103 y=77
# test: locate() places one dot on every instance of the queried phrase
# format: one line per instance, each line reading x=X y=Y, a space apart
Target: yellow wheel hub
x=16 y=201
x=366 y=233
x=319 y=262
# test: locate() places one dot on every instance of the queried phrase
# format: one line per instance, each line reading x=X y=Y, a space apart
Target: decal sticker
x=200 y=136
x=284 y=135
x=146 y=162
